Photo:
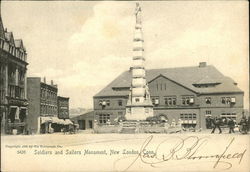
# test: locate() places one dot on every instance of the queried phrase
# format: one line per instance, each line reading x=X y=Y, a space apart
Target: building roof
x=85 y=115
x=187 y=77
x=61 y=97
x=9 y=37
x=42 y=83
x=19 y=44
x=207 y=80
x=1 y=28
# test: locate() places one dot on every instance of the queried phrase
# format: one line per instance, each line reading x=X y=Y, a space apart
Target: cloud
x=104 y=43
x=85 y=45
x=104 y=32
x=101 y=50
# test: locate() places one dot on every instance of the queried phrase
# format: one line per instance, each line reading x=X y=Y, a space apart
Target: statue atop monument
x=138 y=13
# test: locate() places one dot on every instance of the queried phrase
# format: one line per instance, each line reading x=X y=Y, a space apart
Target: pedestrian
x=243 y=123
x=64 y=130
x=179 y=124
x=173 y=124
x=231 y=125
x=208 y=122
x=217 y=122
x=248 y=123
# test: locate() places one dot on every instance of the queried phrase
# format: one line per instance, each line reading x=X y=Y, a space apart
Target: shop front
x=45 y=125
x=51 y=124
x=57 y=124
x=16 y=119
x=3 y=112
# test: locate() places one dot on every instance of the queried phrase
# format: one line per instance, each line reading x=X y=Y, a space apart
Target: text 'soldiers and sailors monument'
x=139 y=105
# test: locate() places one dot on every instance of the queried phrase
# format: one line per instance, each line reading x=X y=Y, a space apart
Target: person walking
x=217 y=122
x=173 y=124
x=248 y=123
x=243 y=123
x=208 y=122
x=231 y=125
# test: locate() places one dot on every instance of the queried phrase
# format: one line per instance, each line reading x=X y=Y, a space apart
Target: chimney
x=52 y=82
x=202 y=64
x=44 y=80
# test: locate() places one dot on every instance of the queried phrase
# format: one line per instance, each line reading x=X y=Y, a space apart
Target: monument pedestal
x=138 y=112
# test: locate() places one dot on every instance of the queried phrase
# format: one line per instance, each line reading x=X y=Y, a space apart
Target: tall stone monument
x=139 y=105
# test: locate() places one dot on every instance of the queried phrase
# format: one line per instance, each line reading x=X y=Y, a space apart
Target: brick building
x=85 y=121
x=63 y=107
x=13 y=86
x=42 y=107
x=187 y=93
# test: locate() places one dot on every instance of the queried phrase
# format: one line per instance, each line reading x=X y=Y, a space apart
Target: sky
x=83 y=46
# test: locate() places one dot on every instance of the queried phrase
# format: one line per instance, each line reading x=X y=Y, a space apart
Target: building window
x=208 y=112
x=223 y=100
x=228 y=115
x=170 y=101
x=194 y=116
x=103 y=118
x=119 y=102
x=187 y=100
x=137 y=100
x=233 y=100
x=155 y=101
x=182 y=116
x=90 y=124
x=188 y=117
x=208 y=100
x=174 y=101
x=104 y=102
x=225 y=117
x=108 y=102
x=183 y=101
x=227 y=100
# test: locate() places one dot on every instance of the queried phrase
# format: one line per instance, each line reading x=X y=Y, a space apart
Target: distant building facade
x=42 y=104
x=188 y=93
x=13 y=86
x=85 y=121
x=63 y=107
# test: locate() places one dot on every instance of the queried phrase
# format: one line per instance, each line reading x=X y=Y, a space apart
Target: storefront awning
x=68 y=122
x=46 y=119
x=57 y=120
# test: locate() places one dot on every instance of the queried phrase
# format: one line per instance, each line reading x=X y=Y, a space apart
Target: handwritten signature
x=177 y=149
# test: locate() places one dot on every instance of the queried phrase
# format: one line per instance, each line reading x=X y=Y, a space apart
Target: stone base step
x=129 y=127
x=128 y=130
x=129 y=124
